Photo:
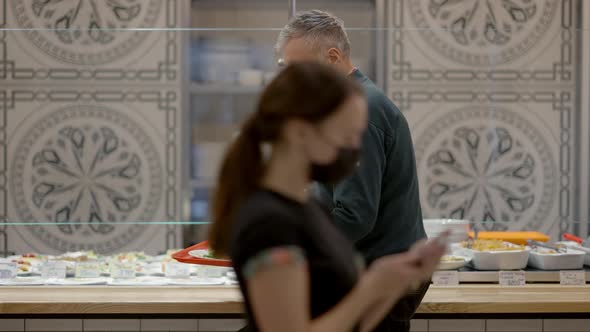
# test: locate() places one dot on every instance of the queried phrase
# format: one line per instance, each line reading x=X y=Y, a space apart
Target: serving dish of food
x=577 y=246
x=31 y=264
x=139 y=281
x=490 y=255
x=453 y=262
x=23 y=281
x=550 y=259
x=78 y=281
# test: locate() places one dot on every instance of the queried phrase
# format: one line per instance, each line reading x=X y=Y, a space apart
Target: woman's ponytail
x=239 y=175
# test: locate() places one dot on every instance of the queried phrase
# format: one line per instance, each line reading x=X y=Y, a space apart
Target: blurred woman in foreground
x=296 y=271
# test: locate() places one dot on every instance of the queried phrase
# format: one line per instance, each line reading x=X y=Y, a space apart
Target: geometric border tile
x=165 y=69
x=403 y=71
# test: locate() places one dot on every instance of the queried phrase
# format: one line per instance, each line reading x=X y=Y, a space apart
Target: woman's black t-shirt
x=269 y=220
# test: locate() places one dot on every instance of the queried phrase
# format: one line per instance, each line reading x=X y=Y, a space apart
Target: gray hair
x=321 y=30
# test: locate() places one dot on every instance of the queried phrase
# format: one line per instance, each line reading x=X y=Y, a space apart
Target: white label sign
x=87 y=270
x=512 y=278
x=214 y=271
x=177 y=270
x=572 y=278
x=445 y=278
x=53 y=270
x=8 y=270
x=121 y=271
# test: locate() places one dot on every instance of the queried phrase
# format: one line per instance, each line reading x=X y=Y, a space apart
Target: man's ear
x=334 y=55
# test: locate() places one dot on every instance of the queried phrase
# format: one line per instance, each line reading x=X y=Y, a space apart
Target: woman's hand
x=397 y=273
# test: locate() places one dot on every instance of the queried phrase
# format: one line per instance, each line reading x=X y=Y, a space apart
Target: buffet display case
x=111 y=135
x=108 y=146
x=114 y=117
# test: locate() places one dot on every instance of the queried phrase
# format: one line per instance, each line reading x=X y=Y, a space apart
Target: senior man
x=378 y=207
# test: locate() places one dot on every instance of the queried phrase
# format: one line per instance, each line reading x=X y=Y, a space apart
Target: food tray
x=77 y=281
x=23 y=281
x=577 y=246
x=512 y=237
x=542 y=259
x=495 y=260
x=185 y=256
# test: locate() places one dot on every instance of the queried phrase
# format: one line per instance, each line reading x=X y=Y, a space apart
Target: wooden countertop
x=464 y=299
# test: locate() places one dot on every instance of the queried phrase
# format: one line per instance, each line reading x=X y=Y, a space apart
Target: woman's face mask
x=346 y=162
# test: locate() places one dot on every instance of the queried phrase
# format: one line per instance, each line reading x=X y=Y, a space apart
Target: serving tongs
x=536 y=244
x=471 y=240
x=578 y=240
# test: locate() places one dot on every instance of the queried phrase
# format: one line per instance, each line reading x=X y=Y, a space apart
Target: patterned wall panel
x=490 y=89
x=91 y=108
x=92 y=41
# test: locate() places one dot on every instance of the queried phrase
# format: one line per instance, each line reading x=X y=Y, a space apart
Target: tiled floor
x=230 y=325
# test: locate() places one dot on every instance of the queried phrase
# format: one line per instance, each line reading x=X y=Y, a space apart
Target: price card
x=53 y=270
x=512 y=278
x=177 y=270
x=445 y=278
x=8 y=270
x=572 y=278
x=212 y=272
x=87 y=270
x=123 y=271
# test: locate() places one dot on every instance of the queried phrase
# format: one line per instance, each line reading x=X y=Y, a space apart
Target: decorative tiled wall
x=492 y=91
x=91 y=124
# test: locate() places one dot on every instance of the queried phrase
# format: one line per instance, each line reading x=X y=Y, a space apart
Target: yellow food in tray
x=449 y=258
x=492 y=245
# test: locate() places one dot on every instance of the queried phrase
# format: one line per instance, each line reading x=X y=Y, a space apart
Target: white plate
x=141 y=281
x=196 y=282
x=454 y=265
x=78 y=281
x=23 y=281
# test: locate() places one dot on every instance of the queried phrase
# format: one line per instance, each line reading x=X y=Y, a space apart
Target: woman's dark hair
x=305 y=91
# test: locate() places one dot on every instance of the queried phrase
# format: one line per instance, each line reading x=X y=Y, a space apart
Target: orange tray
x=512 y=237
x=184 y=256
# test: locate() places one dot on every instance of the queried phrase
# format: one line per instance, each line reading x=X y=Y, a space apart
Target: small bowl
x=459 y=229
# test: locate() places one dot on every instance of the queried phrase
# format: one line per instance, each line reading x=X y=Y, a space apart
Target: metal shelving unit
x=223 y=105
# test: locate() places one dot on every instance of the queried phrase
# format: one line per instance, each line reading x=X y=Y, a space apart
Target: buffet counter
x=489 y=299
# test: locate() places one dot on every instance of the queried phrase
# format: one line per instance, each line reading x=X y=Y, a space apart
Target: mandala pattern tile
x=487 y=164
x=91 y=165
x=91 y=139
x=489 y=89
x=86 y=32
x=482 y=33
